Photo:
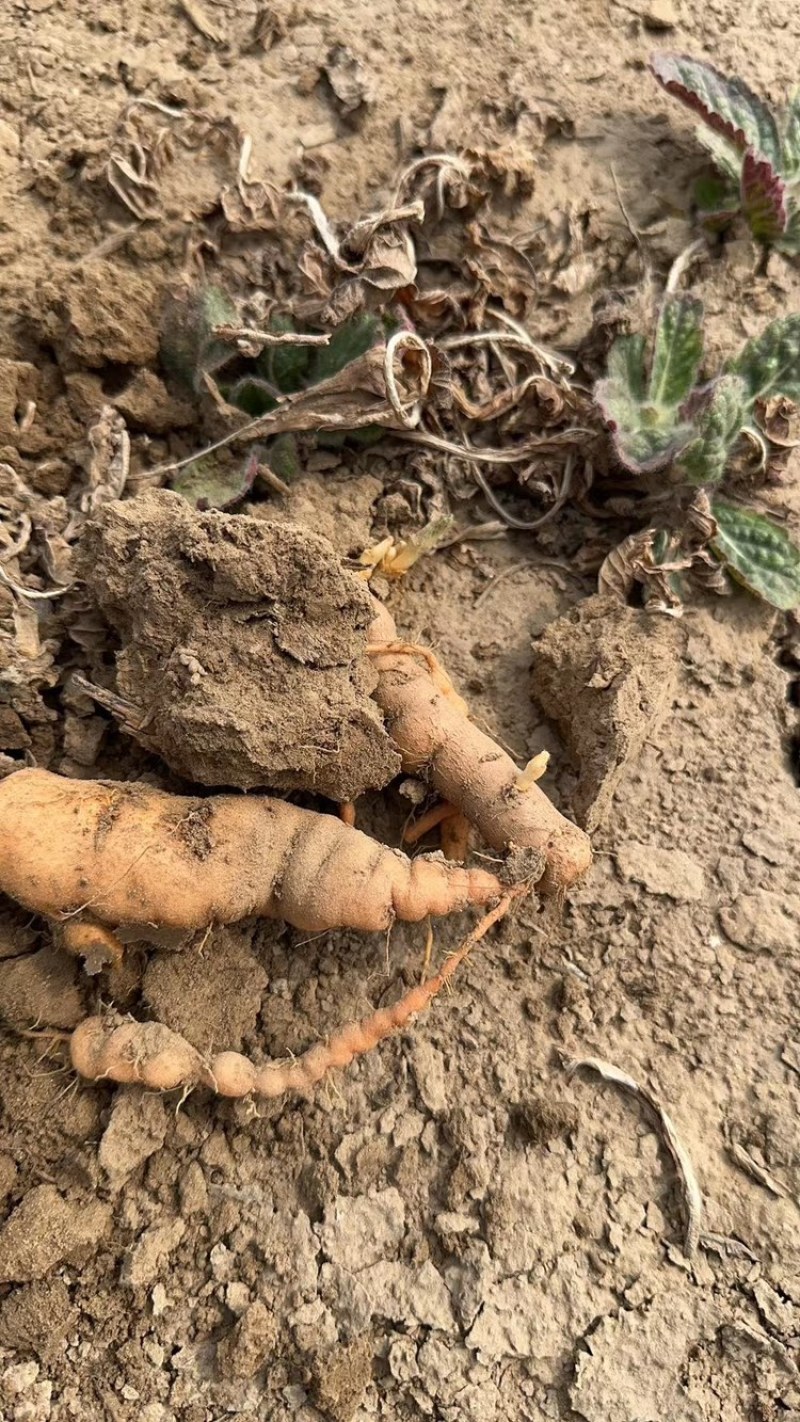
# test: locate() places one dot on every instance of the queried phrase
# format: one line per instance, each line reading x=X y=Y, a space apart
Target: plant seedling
x=755 y=149
x=663 y=422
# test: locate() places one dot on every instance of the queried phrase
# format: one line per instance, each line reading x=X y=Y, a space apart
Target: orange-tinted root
x=456 y=831
x=436 y=815
x=431 y=728
x=113 y=1049
x=128 y=854
x=98 y=946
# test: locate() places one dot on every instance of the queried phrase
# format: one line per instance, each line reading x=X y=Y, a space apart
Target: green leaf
x=770 y=364
x=678 y=350
x=283 y=457
x=716 y=199
x=188 y=344
x=646 y=436
x=790 y=241
x=727 y=157
x=285 y=367
x=717 y=428
x=725 y=104
x=791 y=138
x=626 y=366
x=252 y=395
x=758 y=553
x=347 y=343
x=764 y=201
x=209 y=483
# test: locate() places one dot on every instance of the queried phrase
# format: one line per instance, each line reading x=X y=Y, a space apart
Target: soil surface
x=457 y=1227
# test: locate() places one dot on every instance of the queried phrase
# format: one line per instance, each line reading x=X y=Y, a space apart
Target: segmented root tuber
x=112 y=1049
x=132 y=855
x=431 y=728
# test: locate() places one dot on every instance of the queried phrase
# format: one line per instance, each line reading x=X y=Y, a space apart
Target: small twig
x=489 y=455
x=682 y=261
x=635 y=234
x=270 y=338
x=692 y=1197
x=22 y=591
x=557 y=364
x=431 y=160
x=319 y=219
x=530 y=525
x=404 y=340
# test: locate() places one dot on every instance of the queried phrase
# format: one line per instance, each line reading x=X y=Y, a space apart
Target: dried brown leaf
x=779 y=419
x=202 y=22
x=108 y=462
x=624 y=565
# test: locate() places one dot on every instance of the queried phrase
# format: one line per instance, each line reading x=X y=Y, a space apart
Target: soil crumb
x=242 y=659
x=606 y=675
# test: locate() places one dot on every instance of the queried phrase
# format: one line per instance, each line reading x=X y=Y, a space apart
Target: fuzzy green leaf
x=646 y=436
x=717 y=427
x=790 y=167
x=188 y=344
x=764 y=201
x=209 y=483
x=758 y=554
x=678 y=350
x=716 y=200
x=347 y=343
x=626 y=366
x=770 y=363
x=283 y=457
x=285 y=367
x=727 y=105
x=252 y=395
x=790 y=241
x=726 y=156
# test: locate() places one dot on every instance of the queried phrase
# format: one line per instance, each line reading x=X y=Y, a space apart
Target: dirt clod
x=101 y=314
x=340 y=1376
x=41 y=990
x=211 y=995
x=137 y=1127
x=606 y=675
x=242 y=648
x=37 y=1317
x=249 y=1345
x=46 y=1229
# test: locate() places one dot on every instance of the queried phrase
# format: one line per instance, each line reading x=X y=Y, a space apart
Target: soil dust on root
x=454 y=1228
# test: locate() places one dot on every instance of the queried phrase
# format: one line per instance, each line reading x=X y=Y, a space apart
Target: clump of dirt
x=108 y=312
x=242 y=660
x=606 y=675
x=215 y=1007
x=40 y=988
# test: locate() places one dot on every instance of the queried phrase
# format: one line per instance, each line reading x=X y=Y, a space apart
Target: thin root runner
x=112 y=1049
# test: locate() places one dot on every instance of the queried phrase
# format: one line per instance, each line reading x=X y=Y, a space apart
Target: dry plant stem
x=438 y=741
x=517 y=454
x=112 y=1049
x=692 y=1197
x=132 y=855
